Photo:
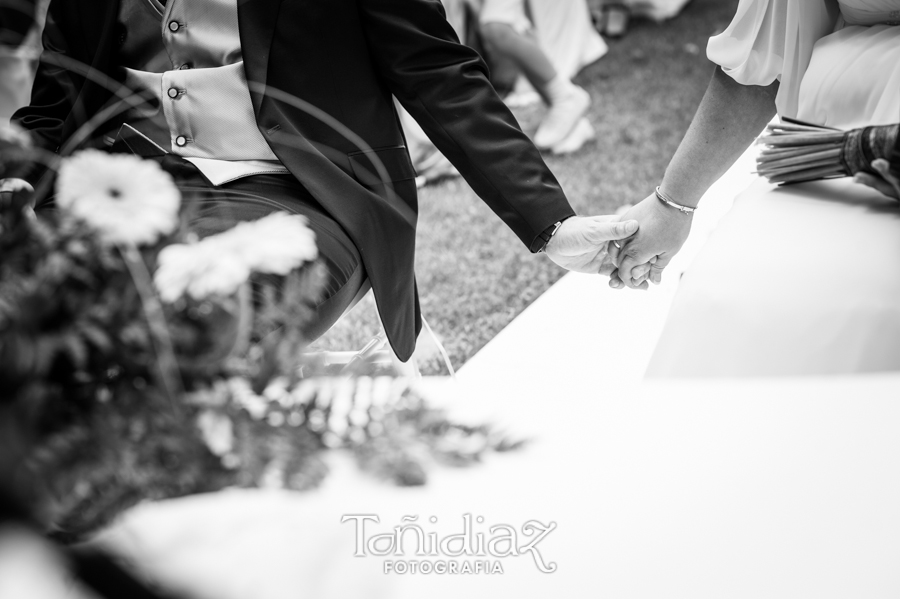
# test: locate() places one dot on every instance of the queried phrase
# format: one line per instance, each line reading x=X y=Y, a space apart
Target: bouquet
x=795 y=151
x=147 y=363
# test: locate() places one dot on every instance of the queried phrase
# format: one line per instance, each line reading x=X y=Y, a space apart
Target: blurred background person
x=21 y=22
x=612 y=16
x=506 y=31
x=559 y=33
x=564 y=32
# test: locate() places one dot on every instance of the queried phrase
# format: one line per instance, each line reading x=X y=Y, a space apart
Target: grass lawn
x=474 y=275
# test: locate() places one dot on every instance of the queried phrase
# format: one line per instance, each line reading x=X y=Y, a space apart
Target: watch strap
x=547 y=234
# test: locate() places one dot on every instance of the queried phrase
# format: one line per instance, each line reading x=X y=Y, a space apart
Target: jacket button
x=173 y=93
x=174 y=26
x=181 y=141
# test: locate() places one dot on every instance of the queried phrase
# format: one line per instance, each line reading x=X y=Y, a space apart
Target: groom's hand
x=580 y=243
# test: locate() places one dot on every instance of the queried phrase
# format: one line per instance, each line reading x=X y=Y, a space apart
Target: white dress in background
x=566 y=34
x=801 y=279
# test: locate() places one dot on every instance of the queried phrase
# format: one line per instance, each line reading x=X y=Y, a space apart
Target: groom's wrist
x=547 y=234
x=542 y=240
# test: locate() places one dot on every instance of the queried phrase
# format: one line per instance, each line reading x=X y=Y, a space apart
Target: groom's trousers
x=218 y=208
x=250 y=198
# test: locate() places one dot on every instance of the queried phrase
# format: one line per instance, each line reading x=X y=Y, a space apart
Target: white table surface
x=772 y=488
x=698 y=489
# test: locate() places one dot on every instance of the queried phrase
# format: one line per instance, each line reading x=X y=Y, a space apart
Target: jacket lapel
x=256 y=22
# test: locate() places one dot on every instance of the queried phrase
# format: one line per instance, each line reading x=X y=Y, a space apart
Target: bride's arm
x=729 y=118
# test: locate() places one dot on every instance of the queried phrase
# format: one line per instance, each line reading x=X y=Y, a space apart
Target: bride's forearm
x=729 y=118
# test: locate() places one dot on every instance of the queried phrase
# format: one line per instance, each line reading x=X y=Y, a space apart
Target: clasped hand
x=581 y=242
x=643 y=257
x=663 y=230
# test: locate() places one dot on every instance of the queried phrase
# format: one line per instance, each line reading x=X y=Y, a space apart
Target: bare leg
x=523 y=51
x=568 y=102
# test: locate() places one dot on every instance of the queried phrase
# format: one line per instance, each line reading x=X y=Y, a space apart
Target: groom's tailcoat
x=343 y=59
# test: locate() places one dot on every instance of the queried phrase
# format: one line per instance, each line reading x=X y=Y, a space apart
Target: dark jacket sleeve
x=445 y=87
x=52 y=95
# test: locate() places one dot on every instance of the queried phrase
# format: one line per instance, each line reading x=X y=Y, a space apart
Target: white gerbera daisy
x=126 y=199
x=219 y=264
x=276 y=244
x=199 y=270
x=217 y=432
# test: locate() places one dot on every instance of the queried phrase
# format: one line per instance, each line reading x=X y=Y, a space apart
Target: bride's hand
x=662 y=232
x=887 y=184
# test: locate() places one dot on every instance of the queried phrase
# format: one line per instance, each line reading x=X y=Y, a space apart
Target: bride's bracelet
x=668 y=202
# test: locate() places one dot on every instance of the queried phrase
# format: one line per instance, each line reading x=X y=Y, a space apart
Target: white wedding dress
x=803 y=279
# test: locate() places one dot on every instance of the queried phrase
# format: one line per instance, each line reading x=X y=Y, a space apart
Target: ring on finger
x=616 y=243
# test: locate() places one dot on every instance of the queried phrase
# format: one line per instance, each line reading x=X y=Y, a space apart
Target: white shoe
x=561 y=118
x=580 y=135
x=434 y=168
x=522 y=99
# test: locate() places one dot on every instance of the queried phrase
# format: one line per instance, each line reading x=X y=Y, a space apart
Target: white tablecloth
x=784 y=488
x=797 y=280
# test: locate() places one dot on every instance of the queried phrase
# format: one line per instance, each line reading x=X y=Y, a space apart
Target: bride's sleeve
x=772 y=40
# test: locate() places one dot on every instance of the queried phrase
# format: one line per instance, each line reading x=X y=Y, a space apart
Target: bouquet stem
x=167 y=364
